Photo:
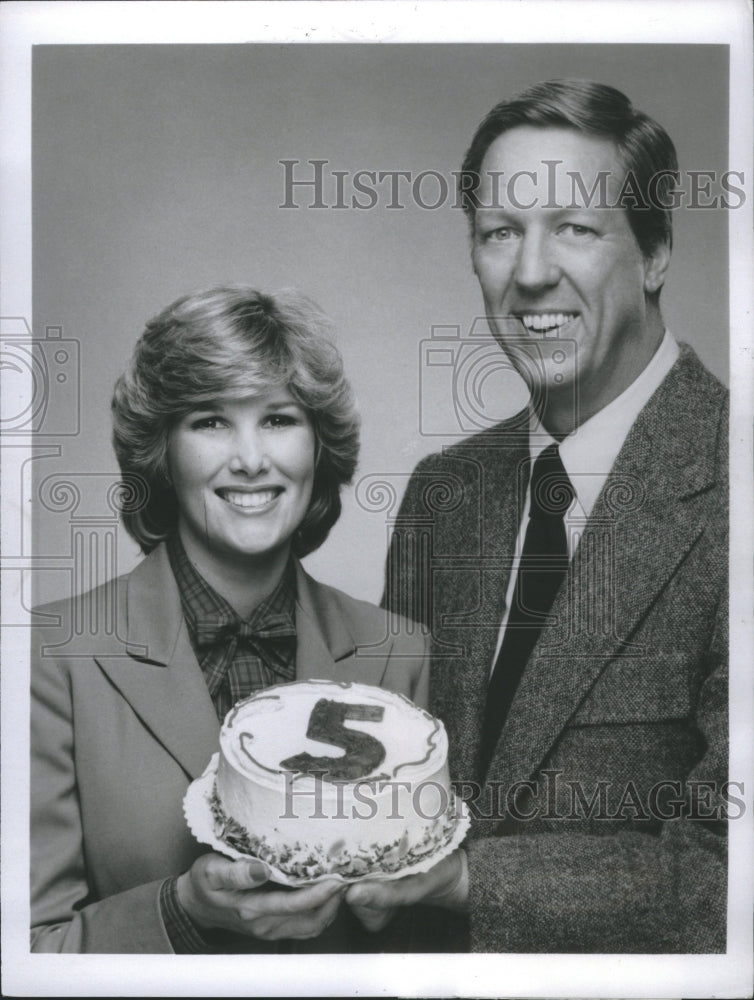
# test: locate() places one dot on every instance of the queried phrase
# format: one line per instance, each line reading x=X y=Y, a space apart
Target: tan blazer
x=122 y=722
x=624 y=699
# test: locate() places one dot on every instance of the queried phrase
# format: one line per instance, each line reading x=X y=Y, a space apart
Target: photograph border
x=24 y=25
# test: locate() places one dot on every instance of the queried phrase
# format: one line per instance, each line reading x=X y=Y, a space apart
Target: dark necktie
x=543 y=564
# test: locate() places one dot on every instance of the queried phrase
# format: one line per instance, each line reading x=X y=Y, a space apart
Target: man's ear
x=655 y=268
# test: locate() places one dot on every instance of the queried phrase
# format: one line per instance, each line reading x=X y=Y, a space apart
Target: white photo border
x=24 y=25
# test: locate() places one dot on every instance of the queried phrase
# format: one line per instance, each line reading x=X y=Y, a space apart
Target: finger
x=224 y=874
x=384 y=895
x=298 y=925
x=411 y=889
x=304 y=899
x=312 y=925
x=373 y=920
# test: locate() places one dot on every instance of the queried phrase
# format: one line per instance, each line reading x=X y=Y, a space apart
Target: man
x=573 y=570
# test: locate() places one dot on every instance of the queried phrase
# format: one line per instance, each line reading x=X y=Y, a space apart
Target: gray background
x=155 y=172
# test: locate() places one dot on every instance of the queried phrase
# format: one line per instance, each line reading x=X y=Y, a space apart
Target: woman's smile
x=242 y=471
x=258 y=500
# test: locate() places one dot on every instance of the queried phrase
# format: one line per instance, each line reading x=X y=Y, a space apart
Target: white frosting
x=398 y=809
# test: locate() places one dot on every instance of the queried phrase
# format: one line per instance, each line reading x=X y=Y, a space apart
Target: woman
x=236 y=416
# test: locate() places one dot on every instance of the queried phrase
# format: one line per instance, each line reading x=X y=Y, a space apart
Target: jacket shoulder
x=445 y=481
x=368 y=623
x=75 y=627
x=693 y=369
x=692 y=407
x=507 y=433
x=64 y=607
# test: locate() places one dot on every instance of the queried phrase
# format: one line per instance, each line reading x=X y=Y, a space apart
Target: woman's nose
x=249 y=454
x=536 y=266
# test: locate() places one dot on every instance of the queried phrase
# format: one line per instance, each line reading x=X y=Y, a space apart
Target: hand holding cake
x=219 y=893
x=446 y=885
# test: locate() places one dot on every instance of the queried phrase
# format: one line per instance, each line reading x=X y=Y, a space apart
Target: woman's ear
x=655 y=268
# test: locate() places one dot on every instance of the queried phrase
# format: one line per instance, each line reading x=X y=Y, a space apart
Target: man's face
x=571 y=272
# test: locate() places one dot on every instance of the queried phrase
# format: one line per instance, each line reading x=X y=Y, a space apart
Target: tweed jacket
x=122 y=722
x=600 y=824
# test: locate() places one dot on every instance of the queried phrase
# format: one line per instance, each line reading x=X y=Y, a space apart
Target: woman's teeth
x=257 y=499
x=546 y=322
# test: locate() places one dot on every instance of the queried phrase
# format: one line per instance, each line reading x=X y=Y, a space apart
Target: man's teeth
x=257 y=499
x=546 y=321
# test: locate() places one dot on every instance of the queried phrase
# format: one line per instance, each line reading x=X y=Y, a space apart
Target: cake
x=322 y=778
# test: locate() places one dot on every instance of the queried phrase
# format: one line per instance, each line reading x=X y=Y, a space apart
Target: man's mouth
x=544 y=323
x=248 y=499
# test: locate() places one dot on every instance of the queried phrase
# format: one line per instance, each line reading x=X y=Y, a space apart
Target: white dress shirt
x=588 y=454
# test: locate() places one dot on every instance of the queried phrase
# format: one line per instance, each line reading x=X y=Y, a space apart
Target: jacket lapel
x=163 y=683
x=477 y=582
x=326 y=646
x=160 y=677
x=631 y=546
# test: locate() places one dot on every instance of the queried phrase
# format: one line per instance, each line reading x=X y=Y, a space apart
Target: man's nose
x=249 y=454
x=536 y=265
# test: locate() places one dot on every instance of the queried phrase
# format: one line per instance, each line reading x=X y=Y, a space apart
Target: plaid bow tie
x=273 y=641
x=219 y=629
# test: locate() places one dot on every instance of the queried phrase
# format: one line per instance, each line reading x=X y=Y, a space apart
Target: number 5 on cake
x=363 y=752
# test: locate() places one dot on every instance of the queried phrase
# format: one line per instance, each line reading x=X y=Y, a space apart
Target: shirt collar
x=588 y=453
x=199 y=599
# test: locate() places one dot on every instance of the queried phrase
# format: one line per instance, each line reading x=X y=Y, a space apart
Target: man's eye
x=500 y=235
x=578 y=231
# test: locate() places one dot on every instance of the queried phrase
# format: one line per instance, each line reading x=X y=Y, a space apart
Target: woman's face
x=242 y=471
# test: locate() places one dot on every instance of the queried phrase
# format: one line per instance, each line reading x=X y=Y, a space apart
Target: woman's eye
x=280 y=420
x=207 y=423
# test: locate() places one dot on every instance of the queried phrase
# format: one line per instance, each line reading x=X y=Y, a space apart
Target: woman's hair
x=232 y=342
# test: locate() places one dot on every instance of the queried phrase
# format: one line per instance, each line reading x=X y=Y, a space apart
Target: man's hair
x=231 y=342
x=644 y=146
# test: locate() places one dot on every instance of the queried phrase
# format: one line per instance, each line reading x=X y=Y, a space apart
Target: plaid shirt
x=237 y=658
x=242 y=657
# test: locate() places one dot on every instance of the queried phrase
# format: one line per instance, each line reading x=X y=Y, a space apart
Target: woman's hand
x=217 y=892
x=447 y=885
